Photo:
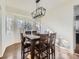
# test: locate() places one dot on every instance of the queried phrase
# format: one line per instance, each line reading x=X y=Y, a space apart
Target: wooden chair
x=43 y=47
x=52 y=44
x=25 y=46
x=46 y=47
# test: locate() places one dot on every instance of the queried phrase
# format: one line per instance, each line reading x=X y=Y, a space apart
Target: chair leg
x=48 y=54
x=54 y=54
x=22 y=53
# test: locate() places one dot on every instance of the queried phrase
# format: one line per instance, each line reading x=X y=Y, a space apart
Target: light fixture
x=37 y=1
x=39 y=12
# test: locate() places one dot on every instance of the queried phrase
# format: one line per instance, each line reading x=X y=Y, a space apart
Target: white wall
x=0 y=36
x=61 y=20
x=0 y=31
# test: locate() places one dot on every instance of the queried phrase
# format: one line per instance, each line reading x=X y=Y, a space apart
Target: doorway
x=76 y=14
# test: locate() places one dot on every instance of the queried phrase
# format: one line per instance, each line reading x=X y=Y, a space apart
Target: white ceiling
x=29 y=5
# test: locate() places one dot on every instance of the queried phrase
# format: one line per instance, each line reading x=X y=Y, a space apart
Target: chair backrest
x=27 y=32
x=52 y=38
x=31 y=32
x=34 y=32
x=22 y=39
x=43 y=38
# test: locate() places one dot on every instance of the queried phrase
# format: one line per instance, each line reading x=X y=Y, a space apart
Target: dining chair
x=42 y=48
x=46 y=47
x=52 y=44
x=25 y=46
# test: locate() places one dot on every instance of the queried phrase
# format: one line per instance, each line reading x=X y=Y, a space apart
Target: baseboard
x=67 y=50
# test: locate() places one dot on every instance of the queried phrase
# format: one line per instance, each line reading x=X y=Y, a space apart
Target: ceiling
x=29 y=5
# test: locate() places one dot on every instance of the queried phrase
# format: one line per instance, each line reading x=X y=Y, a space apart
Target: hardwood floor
x=14 y=52
x=77 y=48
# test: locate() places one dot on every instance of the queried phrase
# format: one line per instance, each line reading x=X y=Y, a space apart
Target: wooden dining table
x=33 y=39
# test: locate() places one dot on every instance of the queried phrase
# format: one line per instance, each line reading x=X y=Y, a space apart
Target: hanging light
x=37 y=1
x=39 y=12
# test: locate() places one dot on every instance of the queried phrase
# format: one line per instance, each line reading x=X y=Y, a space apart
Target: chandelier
x=39 y=12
